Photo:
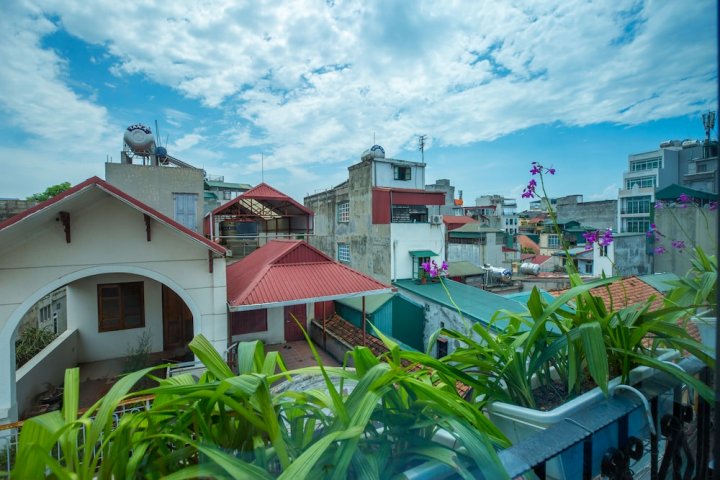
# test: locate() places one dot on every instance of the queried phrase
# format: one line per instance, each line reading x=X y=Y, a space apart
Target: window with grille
x=343 y=212
x=636 y=204
x=633 y=225
x=250 y=321
x=642 y=165
x=343 y=252
x=121 y=306
x=409 y=214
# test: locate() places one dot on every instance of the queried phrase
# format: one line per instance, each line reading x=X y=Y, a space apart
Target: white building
x=501 y=211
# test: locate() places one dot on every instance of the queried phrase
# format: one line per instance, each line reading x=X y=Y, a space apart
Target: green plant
x=230 y=426
x=137 y=355
x=32 y=340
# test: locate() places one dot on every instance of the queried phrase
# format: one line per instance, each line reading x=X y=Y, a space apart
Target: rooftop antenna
x=421 y=145
x=709 y=124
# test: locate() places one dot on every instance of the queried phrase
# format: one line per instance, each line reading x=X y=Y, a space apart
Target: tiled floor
x=298 y=355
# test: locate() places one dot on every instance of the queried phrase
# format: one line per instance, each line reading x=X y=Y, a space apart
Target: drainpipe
x=363 y=322
x=394 y=275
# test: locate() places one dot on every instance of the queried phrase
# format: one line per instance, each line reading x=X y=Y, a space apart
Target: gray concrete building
x=451 y=207
x=378 y=221
x=601 y=214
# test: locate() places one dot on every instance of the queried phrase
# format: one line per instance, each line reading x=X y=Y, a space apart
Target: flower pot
x=519 y=423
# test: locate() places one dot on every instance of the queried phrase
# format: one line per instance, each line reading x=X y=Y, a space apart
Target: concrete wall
x=677 y=223
x=384 y=174
x=629 y=254
x=11 y=207
x=479 y=255
x=601 y=214
x=108 y=237
x=48 y=366
x=155 y=186
x=83 y=316
x=406 y=237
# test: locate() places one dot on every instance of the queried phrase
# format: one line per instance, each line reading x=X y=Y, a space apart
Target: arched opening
x=108 y=309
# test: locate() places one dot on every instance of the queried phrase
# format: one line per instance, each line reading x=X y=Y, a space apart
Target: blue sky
x=308 y=84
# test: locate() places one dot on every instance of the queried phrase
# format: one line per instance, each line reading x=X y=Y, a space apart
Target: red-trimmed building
x=378 y=221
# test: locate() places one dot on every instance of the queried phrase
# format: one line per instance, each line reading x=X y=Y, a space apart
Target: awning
x=422 y=253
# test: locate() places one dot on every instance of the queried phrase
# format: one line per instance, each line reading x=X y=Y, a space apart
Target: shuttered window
x=121 y=306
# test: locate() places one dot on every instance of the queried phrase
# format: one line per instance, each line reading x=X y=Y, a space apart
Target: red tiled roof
x=265 y=192
x=508 y=249
x=458 y=219
x=526 y=242
x=631 y=291
x=96 y=182
x=286 y=272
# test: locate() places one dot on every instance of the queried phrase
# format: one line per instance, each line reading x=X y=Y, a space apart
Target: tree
x=50 y=192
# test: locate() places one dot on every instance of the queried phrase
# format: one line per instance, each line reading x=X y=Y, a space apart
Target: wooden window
x=402 y=173
x=249 y=321
x=121 y=306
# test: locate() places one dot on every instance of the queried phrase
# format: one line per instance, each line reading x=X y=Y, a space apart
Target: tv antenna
x=422 y=141
x=708 y=123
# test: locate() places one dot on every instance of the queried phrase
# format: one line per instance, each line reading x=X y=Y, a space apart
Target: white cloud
x=310 y=83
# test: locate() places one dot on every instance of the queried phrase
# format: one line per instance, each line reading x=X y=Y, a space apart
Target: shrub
x=31 y=341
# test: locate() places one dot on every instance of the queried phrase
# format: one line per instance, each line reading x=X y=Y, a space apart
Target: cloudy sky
x=309 y=84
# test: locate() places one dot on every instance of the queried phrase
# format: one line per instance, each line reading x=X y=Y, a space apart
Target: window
x=402 y=173
x=44 y=314
x=227 y=195
x=636 y=204
x=186 y=209
x=640 y=182
x=343 y=212
x=409 y=214
x=701 y=168
x=250 y=321
x=121 y=306
x=642 y=165
x=634 y=225
x=553 y=241
x=417 y=268
x=343 y=252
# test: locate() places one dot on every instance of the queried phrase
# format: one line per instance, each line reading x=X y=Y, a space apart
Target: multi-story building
x=218 y=191
x=503 y=210
x=378 y=221
x=689 y=163
x=452 y=206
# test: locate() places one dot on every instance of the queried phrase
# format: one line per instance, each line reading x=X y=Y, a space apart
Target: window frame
x=343 y=212
x=124 y=289
x=343 y=252
x=406 y=173
x=254 y=321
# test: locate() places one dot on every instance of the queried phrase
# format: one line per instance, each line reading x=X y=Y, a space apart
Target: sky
x=293 y=92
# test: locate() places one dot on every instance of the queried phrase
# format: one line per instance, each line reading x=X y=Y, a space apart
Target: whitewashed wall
x=405 y=237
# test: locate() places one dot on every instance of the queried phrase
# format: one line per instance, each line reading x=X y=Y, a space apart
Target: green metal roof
x=660 y=281
x=372 y=302
x=463 y=269
x=474 y=303
x=672 y=192
x=423 y=253
x=228 y=185
x=475 y=228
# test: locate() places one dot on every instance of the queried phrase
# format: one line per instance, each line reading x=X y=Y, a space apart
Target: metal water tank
x=139 y=139
x=530 y=269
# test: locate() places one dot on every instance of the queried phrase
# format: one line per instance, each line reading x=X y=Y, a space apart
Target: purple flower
x=536 y=168
x=660 y=250
x=606 y=239
x=712 y=206
x=659 y=204
x=678 y=244
x=551 y=171
x=684 y=198
x=444 y=266
x=590 y=237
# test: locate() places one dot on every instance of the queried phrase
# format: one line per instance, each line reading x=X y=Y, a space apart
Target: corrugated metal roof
x=463 y=269
x=372 y=302
x=527 y=242
x=235 y=186
x=422 y=253
x=263 y=193
x=475 y=228
x=660 y=281
x=475 y=304
x=290 y=272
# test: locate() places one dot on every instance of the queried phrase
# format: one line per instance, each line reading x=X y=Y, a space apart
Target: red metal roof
x=527 y=242
x=456 y=221
x=262 y=192
x=96 y=182
x=286 y=272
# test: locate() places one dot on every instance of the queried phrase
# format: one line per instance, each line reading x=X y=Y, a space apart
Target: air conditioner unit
x=436 y=219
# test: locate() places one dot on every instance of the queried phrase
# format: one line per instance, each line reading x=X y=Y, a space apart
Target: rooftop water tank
x=139 y=139
x=528 y=268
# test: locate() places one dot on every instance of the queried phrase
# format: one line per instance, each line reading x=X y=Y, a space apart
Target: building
x=452 y=206
x=218 y=191
x=170 y=186
x=378 y=221
x=689 y=163
x=600 y=215
x=127 y=270
x=476 y=244
x=501 y=211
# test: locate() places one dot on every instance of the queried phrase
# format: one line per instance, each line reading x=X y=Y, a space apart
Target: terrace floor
x=298 y=355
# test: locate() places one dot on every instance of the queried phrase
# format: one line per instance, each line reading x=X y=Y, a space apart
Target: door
x=177 y=322
x=293 y=332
